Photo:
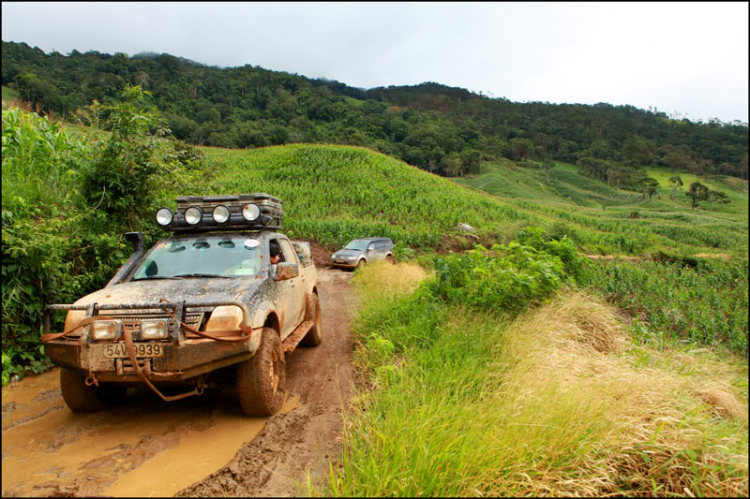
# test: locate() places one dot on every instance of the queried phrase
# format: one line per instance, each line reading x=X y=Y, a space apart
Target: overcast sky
x=686 y=58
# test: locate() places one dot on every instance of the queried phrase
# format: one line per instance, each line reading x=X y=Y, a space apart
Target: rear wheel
x=314 y=336
x=261 y=380
x=81 y=398
x=390 y=259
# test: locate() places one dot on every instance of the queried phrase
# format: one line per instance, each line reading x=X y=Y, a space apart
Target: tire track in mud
x=196 y=446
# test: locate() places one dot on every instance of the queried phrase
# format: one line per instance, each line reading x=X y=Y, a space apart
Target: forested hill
x=442 y=129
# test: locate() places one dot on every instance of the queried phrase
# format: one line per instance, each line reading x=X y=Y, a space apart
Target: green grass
x=558 y=402
x=337 y=193
x=737 y=196
x=565 y=400
x=9 y=94
x=605 y=220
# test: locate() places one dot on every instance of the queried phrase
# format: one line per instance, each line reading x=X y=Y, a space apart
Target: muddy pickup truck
x=224 y=297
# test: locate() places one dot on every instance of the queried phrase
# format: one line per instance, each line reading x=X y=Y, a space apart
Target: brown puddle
x=145 y=447
x=193 y=458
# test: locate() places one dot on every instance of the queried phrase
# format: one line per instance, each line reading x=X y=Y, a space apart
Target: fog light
x=193 y=215
x=164 y=217
x=154 y=330
x=106 y=330
x=251 y=212
x=221 y=214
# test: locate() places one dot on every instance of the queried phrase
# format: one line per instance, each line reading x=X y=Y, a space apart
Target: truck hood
x=193 y=290
x=345 y=252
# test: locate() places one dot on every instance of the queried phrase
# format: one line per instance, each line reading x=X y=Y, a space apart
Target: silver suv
x=360 y=251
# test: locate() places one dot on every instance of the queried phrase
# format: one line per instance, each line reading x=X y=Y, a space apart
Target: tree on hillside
x=452 y=165
x=470 y=160
x=698 y=192
x=521 y=148
x=718 y=197
x=648 y=187
x=676 y=182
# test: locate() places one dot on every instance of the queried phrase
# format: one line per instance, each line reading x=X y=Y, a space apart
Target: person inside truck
x=275 y=252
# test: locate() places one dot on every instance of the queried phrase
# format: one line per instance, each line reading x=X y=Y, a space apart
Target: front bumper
x=183 y=358
x=344 y=263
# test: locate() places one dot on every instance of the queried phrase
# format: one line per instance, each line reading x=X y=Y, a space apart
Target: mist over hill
x=445 y=130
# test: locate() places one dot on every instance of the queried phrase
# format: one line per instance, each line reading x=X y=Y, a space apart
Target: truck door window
x=287 y=252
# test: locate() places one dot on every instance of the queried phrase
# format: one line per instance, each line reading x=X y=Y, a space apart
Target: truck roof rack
x=257 y=211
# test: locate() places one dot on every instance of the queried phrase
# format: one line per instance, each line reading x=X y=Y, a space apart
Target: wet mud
x=199 y=446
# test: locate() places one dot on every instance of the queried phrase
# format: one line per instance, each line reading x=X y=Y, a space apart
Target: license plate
x=119 y=350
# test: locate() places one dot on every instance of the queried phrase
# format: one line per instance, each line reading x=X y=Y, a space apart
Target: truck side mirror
x=286 y=270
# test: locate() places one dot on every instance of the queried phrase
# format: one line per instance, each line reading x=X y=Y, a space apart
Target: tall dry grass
x=559 y=402
x=655 y=423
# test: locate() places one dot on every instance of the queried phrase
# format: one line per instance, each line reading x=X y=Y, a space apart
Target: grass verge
x=556 y=401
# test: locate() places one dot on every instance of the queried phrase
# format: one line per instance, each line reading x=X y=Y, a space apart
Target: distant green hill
x=335 y=193
x=438 y=128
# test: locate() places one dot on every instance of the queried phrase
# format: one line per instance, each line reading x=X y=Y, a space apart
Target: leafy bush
x=560 y=246
x=119 y=178
x=502 y=278
x=56 y=246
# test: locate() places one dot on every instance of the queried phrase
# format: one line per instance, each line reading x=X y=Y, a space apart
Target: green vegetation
x=463 y=400
x=505 y=373
x=444 y=130
x=692 y=301
x=57 y=244
x=9 y=94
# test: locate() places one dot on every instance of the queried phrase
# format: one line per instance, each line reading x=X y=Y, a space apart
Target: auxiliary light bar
x=211 y=213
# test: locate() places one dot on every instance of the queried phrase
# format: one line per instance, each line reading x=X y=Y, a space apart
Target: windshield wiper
x=154 y=277
x=203 y=275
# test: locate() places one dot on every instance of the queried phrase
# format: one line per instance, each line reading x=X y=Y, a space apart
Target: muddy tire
x=81 y=398
x=361 y=263
x=261 y=380
x=314 y=336
x=389 y=259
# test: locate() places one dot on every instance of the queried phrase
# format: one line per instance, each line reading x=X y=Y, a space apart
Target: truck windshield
x=357 y=245
x=202 y=257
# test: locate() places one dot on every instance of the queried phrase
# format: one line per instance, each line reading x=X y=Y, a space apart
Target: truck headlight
x=193 y=215
x=106 y=330
x=154 y=329
x=221 y=214
x=251 y=212
x=164 y=217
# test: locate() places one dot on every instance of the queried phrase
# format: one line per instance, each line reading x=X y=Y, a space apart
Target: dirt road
x=199 y=446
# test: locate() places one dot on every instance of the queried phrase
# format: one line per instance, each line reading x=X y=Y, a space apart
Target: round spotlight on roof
x=164 y=217
x=221 y=214
x=251 y=212
x=193 y=215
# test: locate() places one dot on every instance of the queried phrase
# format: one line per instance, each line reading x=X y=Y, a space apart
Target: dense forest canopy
x=442 y=129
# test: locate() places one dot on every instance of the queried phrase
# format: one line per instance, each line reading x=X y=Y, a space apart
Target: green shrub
x=503 y=278
x=118 y=179
x=58 y=245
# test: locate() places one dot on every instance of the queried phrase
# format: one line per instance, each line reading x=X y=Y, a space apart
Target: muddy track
x=200 y=446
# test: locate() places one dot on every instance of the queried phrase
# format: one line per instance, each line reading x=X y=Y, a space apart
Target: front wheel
x=314 y=336
x=81 y=398
x=261 y=380
x=361 y=263
x=389 y=259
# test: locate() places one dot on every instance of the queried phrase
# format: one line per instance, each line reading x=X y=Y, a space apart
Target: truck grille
x=133 y=323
